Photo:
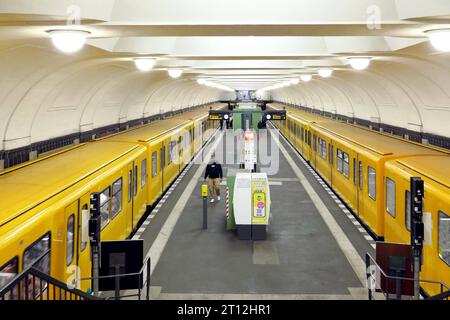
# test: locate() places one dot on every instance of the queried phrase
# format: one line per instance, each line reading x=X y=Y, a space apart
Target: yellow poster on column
x=259 y=202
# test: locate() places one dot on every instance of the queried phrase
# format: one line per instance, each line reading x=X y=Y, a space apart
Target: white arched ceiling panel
x=58 y=94
x=362 y=103
x=327 y=101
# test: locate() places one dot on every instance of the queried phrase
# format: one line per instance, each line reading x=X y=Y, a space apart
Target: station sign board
x=275 y=115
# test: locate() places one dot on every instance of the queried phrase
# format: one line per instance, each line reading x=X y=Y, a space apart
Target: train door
x=360 y=186
x=76 y=257
x=83 y=257
x=155 y=186
x=162 y=153
x=314 y=151
x=130 y=199
x=331 y=160
x=180 y=153
x=69 y=257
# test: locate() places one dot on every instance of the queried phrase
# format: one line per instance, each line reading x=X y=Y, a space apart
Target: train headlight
x=226 y=117
x=268 y=116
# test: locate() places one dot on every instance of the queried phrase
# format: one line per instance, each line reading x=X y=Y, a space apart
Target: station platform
x=314 y=249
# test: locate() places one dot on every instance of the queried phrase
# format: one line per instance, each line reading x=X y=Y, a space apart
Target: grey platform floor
x=301 y=257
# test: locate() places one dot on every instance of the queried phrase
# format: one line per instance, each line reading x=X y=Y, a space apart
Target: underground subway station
x=225 y=159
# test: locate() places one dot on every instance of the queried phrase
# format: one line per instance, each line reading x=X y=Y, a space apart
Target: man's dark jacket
x=213 y=170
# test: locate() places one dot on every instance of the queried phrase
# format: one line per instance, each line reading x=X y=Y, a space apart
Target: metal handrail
x=370 y=259
x=145 y=267
x=441 y=296
x=32 y=270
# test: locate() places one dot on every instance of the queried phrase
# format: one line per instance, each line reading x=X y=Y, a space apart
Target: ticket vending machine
x=251 y=205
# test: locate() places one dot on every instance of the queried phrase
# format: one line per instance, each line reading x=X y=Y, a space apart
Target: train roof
x=436 y=168
x=147 y=132
x=155 y=129
x=376 y=142
x=27 y=186
x=302 y=115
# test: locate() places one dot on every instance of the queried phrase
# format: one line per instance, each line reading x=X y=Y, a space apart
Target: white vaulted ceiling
x=246 y=45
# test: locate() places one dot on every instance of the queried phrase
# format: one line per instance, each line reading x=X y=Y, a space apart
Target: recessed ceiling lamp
x=325 y=72
x=440 y=39
x=306 y=77
x=175 y=73
x=201 y=81
x=295 y=81
x=68 y=41
x=359 y=63
x=144 y=64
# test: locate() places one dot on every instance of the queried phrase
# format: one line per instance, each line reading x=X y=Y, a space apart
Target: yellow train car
x=359 y=157
x=46 y=206
x=170 y=143
x=297 y=128
x=363 y=167
x=433 y=170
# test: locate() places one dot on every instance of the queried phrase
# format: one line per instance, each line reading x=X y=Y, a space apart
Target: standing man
x=214 y=173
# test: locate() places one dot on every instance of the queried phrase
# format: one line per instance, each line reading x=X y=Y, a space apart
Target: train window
x=408 y=210
x=361 y=175
x=85 y=214
x=302 y=133
x=354 y=171
x=130 y=185
x=143 y=172
x=8 y=271
x=340 y=157
x=390 y=196
x=186 y=140
x=372 y=182
x=70 y=239
x=35 y=252
x=116 y=204
x=322 y=148
x=154 y=164
x=444 y=237
x=309 y=138
x=315 y=143
x=135 y=180
x=171 y=152
x=105 y=206
x=36 y=256
x=346 y=164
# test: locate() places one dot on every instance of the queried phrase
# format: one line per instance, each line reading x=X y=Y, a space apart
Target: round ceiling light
x=325 y=72
x=440 y=39
x=144 y=64
x=175 y=73
x=359 y=63
x=201 y=81
x=295 y=81
x=68 y=41
x=306 y=77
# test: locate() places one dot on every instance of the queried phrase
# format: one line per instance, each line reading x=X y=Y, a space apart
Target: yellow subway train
x=44 y=204
x=371 y=172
